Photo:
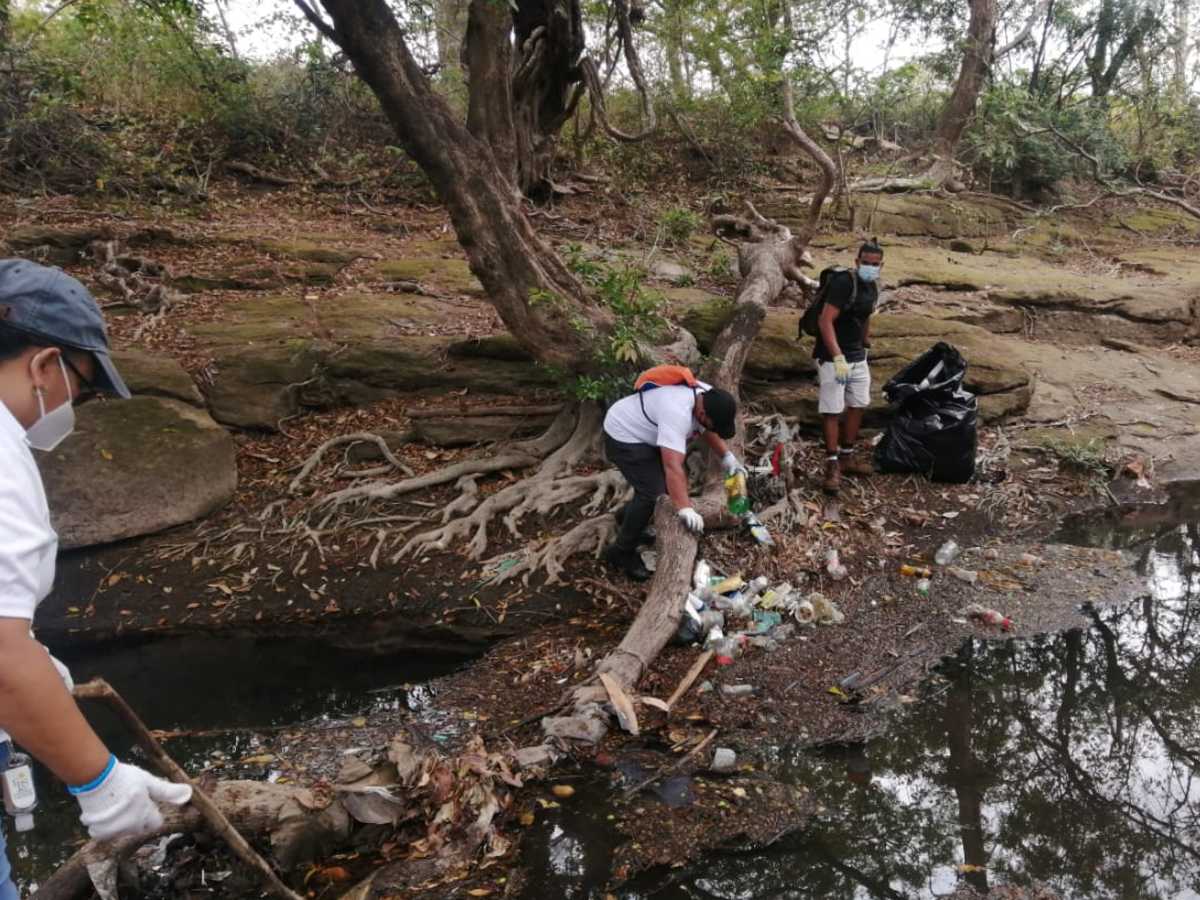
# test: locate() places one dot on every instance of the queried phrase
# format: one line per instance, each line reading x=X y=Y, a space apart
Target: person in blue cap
x=53 y=356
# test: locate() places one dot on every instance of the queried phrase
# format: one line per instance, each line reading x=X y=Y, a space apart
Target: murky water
x=233 y=686
x=1072 y=761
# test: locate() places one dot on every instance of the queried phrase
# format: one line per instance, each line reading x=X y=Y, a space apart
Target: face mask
x=53 y=427
x=868 y=273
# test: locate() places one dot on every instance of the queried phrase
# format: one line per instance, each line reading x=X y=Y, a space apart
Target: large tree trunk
x=977 y=61
x=540 y=300
x=546 y=83
x=1181 y=46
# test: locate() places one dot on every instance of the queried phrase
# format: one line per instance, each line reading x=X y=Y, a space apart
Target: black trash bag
x=934 y=431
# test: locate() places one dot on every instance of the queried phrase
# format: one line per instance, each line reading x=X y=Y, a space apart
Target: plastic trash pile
x=944 y=558
x=729 y=614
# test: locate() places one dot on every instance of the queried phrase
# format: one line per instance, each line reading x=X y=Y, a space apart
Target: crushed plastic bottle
x=923 y=586
x=834 y=567
x=947 y=553
x=754 y=588
x=916 y=571
x=735 y=494
x=777 y=597
x=964 y=575
x=728 y=585
x=986 y=616
x=727 y=650
x=758 y=530
x=702 y=575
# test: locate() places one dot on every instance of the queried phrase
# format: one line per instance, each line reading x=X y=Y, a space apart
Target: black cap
x=721 y=408
x=50 y=305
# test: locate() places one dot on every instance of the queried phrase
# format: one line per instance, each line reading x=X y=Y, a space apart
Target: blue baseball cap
x=50 y=305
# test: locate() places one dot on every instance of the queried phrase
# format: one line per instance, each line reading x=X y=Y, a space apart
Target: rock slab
x=136 y=467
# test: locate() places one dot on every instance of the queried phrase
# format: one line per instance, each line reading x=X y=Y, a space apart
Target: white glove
x=731 y=464
x=692 y=520
x=124 y=803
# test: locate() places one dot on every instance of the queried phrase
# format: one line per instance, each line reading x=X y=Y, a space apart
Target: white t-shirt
x=667 y=422
x=28 y=544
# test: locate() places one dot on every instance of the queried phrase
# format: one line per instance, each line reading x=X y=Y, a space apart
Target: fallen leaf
x=526 y=818
x=966 y=868
x=563 y=791
x=105 y=454
x=656 y=703
x=480 y=892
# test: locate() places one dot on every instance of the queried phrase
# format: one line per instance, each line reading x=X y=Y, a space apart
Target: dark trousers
x=642 y=467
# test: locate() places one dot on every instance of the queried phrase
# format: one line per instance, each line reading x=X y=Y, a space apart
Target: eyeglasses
x=89 y=391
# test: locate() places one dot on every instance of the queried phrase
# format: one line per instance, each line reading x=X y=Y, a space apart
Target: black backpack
x=811 y=316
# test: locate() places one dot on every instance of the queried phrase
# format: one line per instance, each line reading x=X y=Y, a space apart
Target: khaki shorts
x=834 y=397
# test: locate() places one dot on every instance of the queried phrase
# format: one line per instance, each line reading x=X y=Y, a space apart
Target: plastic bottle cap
x=23 y=821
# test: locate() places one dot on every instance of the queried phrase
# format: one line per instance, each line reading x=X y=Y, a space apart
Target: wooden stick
x=99 y=689
x=692 y=674
x=674 y=767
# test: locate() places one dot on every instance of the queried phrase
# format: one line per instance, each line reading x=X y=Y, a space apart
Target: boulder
x=274 y=356
x=136 y=467
x=459 y=431
x=57 y=246
x=156 y=376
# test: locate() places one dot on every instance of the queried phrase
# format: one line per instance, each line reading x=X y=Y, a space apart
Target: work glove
x=125 y=802
x=841 y=369
x=731 y=464
x=692 y=520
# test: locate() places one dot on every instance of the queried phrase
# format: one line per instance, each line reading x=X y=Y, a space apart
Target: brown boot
x=833 y=477
x=856 y=463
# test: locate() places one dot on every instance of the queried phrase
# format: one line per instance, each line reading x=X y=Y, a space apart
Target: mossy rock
x=254 y=277
x=258 y=385
x=449 y=274
x=137 y=467
x=58 y=246
x=148 y=374
x=496 y=346
x=309 y=251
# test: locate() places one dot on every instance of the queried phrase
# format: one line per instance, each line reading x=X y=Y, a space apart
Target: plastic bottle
x=923 y=587
x=754 y=588
x=758 y=530
x=833 y=565
x=20 y=792
x=964 y=575
x=735 y=494
x=701 y=575
x=946 y=553
x=727 y=650
x=916 y=571
x=988 y=616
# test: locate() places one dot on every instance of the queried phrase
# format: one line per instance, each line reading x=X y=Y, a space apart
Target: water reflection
x=1071 y=761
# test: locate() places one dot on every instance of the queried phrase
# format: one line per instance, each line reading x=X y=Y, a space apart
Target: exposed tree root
x=517 y=456
x=589 y=536
x=543 y=492
x=341 y=441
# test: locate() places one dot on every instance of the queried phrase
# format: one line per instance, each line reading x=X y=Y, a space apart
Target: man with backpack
x=646 y=436
x=840 y=319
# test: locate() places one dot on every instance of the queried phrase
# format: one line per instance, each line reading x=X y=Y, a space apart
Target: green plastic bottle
x=735 y=492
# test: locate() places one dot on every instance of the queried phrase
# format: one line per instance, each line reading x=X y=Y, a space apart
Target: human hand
x=731 y=464
x=125 y=802
x=692 y=520
x=841 y=369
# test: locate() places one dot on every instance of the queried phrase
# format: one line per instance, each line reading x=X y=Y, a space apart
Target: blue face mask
x=868 y=273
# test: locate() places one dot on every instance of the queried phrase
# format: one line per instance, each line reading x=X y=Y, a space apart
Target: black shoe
x=628 y=563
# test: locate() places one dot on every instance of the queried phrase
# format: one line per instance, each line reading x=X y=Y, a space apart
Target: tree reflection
x=1071 y=761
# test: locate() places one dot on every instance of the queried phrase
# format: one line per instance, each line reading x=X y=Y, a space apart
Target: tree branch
x=320 y=24
x=1025 y=32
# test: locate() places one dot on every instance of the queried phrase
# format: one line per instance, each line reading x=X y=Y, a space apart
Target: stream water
x=230 y=687
x=1071 y=760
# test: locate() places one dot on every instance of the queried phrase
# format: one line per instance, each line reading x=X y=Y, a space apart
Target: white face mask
x=53 y=427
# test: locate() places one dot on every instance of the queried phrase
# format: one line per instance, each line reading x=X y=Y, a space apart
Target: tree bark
x=976 y=63
x=1181 y=46
x=540 y=300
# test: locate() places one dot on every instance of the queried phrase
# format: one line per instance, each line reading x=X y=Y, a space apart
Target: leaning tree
x=512 y=52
